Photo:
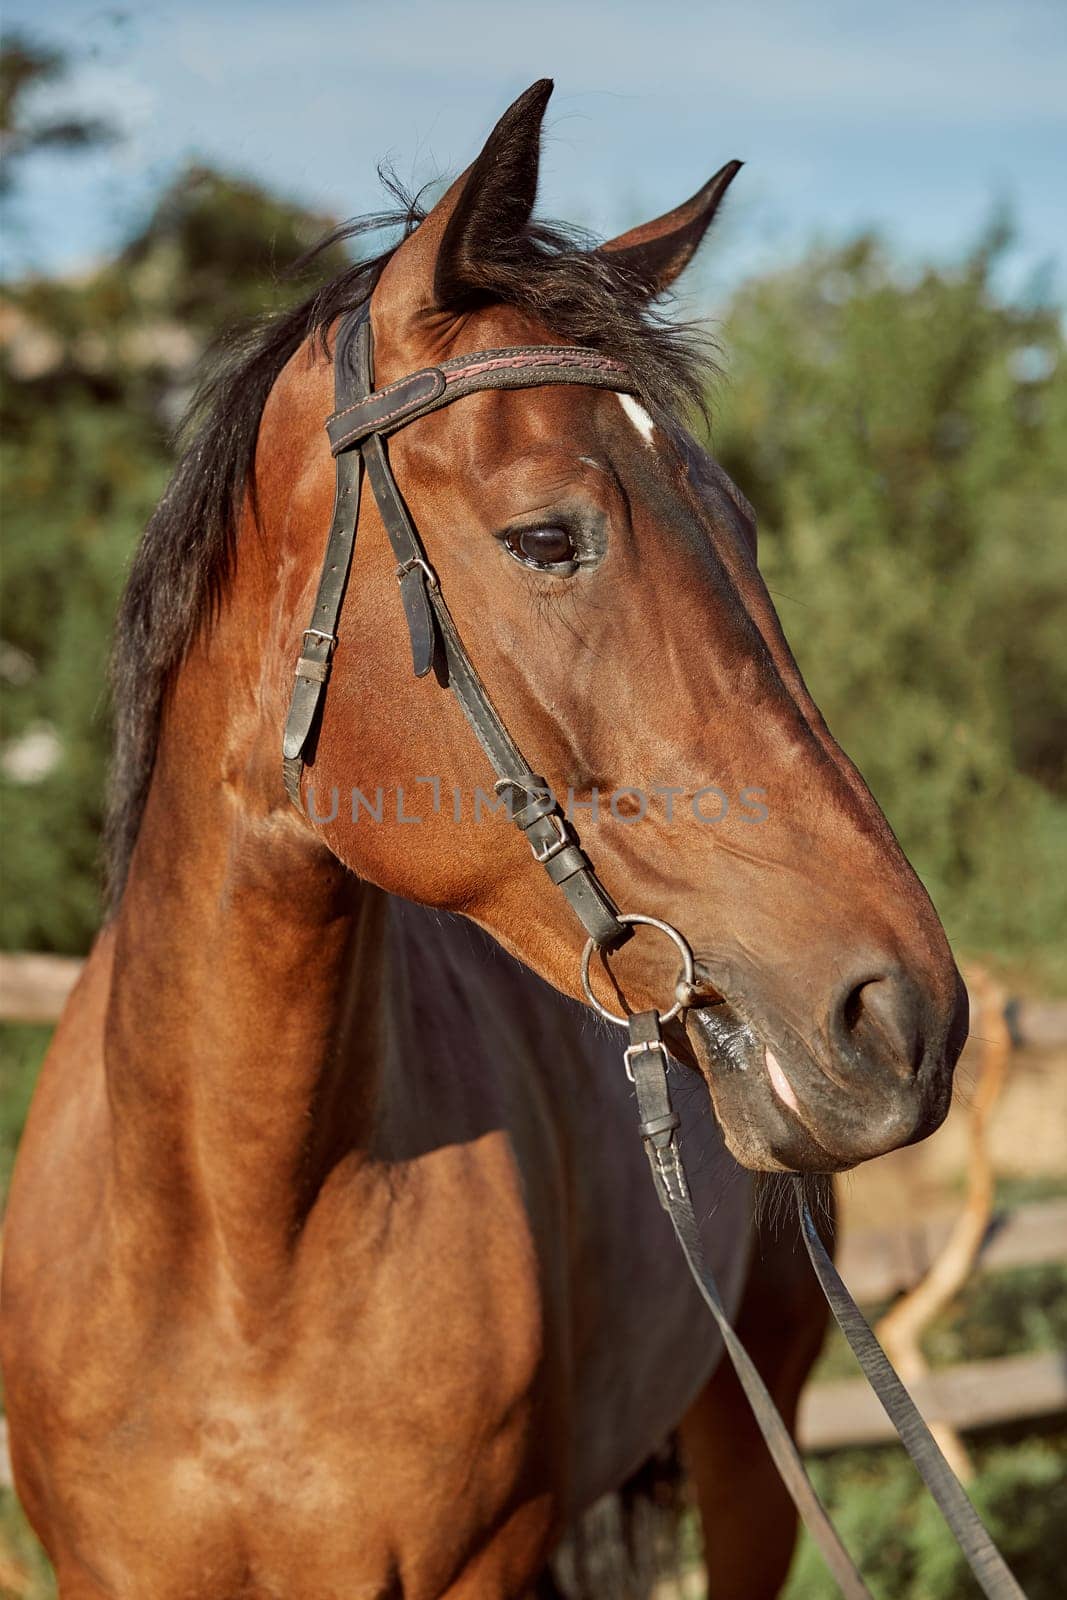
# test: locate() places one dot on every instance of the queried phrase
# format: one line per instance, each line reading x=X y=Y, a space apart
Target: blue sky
x=913 y=117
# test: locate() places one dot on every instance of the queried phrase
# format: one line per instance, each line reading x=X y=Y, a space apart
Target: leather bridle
x=362 y=420
x=357 y=430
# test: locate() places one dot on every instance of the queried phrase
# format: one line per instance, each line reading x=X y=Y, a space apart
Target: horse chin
x=767 y=1133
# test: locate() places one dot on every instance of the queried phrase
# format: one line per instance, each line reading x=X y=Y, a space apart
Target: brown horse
x=333 y=1267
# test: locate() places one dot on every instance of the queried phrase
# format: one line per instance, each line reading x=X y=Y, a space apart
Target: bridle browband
x=362 y=420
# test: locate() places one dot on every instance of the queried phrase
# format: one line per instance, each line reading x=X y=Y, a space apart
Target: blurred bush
x=882 y=1511
x=901 y=437
x=96 y=372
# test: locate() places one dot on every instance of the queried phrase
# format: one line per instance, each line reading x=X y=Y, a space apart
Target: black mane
x=186 y=554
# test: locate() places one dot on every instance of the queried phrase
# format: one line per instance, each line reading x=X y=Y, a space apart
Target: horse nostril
x=882 y=1014
x=852 y=1010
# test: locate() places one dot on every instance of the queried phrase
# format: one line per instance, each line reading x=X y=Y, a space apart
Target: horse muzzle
x=878 y=1077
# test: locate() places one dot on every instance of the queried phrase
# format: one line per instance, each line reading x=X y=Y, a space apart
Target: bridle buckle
x=317 y=633
x=633 y=1050
x=552 y=848
x=427 y=571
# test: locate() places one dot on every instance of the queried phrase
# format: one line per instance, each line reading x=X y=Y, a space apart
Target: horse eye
x=542 y=547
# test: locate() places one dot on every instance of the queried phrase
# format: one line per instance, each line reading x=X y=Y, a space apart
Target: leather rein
x=362 y=420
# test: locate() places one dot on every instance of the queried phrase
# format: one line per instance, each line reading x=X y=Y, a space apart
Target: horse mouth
x=798 y=1114
x=765 y=1121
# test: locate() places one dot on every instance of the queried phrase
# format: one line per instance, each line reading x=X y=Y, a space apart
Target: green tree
x=96 y=374
x=218 y=249
x=25 y=66
x=900 y=437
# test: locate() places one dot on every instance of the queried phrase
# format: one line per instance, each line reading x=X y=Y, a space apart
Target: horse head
x=601 y=569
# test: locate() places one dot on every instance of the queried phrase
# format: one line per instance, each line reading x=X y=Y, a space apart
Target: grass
x=25 y=1571
x=893 y=1529
x=22 y=1049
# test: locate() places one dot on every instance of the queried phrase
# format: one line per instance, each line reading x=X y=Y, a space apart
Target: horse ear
x=497 y=198
x=655 y=253
x=437 y=268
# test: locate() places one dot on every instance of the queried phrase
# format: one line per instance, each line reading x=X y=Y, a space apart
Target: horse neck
x=247 y=1012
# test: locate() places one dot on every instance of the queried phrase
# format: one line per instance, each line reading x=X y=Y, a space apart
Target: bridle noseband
x=361 y=422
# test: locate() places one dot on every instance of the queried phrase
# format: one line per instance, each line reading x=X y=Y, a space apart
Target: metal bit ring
x=629 y=919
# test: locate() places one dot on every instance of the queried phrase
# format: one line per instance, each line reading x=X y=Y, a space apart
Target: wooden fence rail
x=877 y=1263
x=974 y=1394
x=33 y=988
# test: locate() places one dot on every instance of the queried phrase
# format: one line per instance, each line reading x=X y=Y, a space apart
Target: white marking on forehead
x=637 y=415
